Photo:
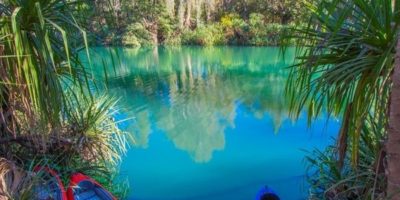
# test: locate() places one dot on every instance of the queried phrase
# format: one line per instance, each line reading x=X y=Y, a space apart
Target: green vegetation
x=51 y=112
x=213 y=22
x=50 y=115
x=233 y=30
x=345 y=67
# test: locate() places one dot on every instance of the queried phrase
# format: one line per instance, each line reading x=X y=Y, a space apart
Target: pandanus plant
x=346 y=67
x=50 y=112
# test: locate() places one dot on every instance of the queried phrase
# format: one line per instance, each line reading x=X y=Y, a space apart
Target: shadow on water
x=224 y=107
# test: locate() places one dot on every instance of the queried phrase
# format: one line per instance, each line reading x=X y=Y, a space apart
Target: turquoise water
x=210 y=123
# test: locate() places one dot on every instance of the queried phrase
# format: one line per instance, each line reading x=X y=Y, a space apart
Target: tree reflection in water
x=192 y=94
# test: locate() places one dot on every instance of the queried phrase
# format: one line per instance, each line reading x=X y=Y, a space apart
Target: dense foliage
x=50 y=115
x=345 y=66
x=173 y=22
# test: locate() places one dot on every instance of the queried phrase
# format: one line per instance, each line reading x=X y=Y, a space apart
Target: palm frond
x=345 y=57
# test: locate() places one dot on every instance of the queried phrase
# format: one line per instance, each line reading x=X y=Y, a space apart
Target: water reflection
x=192 y=94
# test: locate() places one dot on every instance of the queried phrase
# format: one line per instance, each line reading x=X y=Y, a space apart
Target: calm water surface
x=210 y=123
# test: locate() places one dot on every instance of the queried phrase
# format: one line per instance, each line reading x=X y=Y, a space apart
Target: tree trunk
x=117 y=7
x=209 y=10
x=199 y=3
x=170 y=7
x=393 y=141
x=181 y=13
x=188 y=13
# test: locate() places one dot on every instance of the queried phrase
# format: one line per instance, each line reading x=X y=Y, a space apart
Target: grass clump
x=50 y=112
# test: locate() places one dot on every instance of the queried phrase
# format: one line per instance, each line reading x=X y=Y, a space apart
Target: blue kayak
x=266 y=193
x=83 y=187
x=49 y=185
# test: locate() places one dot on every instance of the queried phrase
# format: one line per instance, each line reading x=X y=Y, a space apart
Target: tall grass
x=50 y=111
x=367 y=180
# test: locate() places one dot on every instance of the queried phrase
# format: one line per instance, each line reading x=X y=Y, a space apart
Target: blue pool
x=210 y=123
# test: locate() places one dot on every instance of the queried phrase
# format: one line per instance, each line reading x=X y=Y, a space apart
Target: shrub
x=166 y=32
x=235 y=29
x=204 y=36
x=226 y=21
x=137 y=35
x=173 y=40
x=130 y=40
x=256 y=20
x=328 y=180
x=258 y=30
